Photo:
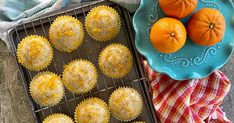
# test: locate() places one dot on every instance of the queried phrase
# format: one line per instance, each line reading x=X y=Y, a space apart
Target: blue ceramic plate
x=192 y=61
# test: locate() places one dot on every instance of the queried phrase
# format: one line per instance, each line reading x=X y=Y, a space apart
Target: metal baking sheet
x=89 y=50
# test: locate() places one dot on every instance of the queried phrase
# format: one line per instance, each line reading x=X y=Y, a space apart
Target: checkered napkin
x=189 y=101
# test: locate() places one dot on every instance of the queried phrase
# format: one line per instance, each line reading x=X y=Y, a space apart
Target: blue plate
x=192 y=61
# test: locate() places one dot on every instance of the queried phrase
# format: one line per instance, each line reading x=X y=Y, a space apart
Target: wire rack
x=89 y=50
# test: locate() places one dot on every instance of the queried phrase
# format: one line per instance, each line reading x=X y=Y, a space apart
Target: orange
x=206 y=27
x=178 y=8
x=168 y=35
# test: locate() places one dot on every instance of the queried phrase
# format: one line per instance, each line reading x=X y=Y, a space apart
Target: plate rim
x=161 y=70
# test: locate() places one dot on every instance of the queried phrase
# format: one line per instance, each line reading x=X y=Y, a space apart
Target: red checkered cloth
x=188 y=101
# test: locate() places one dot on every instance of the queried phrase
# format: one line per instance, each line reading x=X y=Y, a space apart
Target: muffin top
x=92 y=110
x=103 y=23
x=58 y=118
x=34 y=52
x=125 y=104
x=80 y=76
x=46 y=89
x=66 y=33
x=115 y=61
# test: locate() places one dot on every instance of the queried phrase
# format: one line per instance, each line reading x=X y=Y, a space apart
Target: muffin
x=115 y=61
x=92 y=110
x=66 y=33
x=125 y=104
x=58 y=118
x=34 y=53
x=103 y=23
x=80 y=76
x=47 y=89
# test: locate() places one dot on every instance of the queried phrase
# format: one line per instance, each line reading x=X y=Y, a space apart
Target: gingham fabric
x=189 y=101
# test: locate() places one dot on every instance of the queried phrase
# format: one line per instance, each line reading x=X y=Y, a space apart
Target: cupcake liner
x=69 y=86
x=96 y=100
x=119 y=118
x=121 y=74
x=37 y=101
x=19 y=54
x=68 y=18
x=138 y=122
x=103 y=39
x=55 y=115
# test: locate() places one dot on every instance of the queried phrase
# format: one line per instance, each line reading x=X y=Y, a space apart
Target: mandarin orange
x=206 y=27
x=178 y=8
x=168 y=35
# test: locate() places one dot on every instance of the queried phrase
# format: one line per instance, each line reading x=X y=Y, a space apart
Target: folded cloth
x=188 y=101
x=130 y=5
x=14 y=12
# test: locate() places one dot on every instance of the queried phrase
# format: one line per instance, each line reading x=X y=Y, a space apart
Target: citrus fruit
x=178 y=8
x=206 y=27
x=168 y=35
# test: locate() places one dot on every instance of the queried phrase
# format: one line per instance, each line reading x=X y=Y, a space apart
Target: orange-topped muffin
x=125 y=104
x=92 y=110
x=34 y=52
x=58 y=118
x=115 y=61
x=46 y=89
x=80 y=76
x=103 y=23
x=66 y=33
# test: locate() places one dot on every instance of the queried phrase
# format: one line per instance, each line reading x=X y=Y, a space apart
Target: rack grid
x=89 y=50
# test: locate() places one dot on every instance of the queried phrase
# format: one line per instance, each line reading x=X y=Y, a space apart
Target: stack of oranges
x=206 y=27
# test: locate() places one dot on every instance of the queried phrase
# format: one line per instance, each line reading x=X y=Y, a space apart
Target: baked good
x=115 y=61
x=80 y=76
x=58 y=118
x=66 y=33
x=47 y=89
x=92 y=110
x=34 y=53
x=125 y=104
x=102 y=23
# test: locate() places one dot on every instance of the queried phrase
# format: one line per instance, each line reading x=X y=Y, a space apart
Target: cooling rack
x=89 y=50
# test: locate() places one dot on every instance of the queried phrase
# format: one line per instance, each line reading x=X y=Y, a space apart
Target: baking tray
x=89 y=50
